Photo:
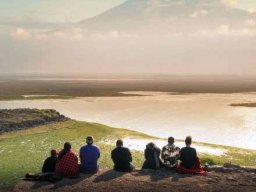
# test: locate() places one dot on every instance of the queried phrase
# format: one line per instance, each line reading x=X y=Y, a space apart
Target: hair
x=170 y=140
x=53 y=153
x=151 y=145
x=67 y=147
x=119 y=143
x=89 y=140
x=188 y=140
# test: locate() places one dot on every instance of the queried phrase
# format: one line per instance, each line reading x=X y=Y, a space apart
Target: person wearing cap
x=89 y=155
x=122 y=158
x=50 y=162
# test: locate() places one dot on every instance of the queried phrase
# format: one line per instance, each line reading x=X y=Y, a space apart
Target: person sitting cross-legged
x=89 y=155
x=67 y=164
x=122 y=158
x=48 y=170
x=190 y=163
x=152 y=159
x=50 y=162
x=170 y=154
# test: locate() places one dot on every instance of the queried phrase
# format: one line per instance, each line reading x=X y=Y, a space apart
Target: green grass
x=24 y=151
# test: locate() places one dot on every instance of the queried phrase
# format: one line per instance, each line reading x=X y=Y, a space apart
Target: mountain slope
x=184 y=14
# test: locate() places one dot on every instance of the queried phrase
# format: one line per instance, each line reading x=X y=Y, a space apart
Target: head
x=53 y=153
x=67 y=146
x=170 y=140
x=188 y=140
x=89 y=140
x=151 y=145
x=119 y=143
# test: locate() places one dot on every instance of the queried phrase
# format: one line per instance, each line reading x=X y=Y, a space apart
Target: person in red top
x=67 y=164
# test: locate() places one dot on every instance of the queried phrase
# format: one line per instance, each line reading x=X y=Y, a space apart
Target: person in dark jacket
x=50 y=162
x=188 y=155
x=152 y=159
x=122 y=158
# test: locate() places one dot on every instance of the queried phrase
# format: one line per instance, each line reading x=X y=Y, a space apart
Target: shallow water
x=139 y=145
x=206 y=117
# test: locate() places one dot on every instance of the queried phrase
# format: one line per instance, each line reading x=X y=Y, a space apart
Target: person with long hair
x=152 y=157
x=67 y=164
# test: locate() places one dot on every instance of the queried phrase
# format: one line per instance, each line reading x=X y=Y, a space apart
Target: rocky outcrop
x=18 y=119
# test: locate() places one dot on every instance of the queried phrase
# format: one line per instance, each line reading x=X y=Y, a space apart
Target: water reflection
x=206 y=117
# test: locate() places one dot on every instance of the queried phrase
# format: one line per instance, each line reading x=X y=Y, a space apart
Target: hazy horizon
x=165 y=37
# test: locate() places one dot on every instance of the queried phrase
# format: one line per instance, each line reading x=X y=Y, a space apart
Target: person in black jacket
x=188 y=155
x=122 y=158
x=152 y=159
x=190 y=163
x=50 y=162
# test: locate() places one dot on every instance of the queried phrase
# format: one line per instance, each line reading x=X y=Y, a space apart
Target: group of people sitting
x=66 y=162
x=171 y=155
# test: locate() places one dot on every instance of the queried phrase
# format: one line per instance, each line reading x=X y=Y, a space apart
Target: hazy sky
x=70 y=10
x=45 y=36
x=55 y=10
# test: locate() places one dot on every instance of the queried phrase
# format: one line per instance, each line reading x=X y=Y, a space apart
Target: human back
x=170 y=154
x=89 y=155
x=188 y=156
x=67 y=164
x=122 y=157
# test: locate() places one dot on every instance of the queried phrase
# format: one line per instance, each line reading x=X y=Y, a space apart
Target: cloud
x=227 y=31
x=200 y=13
x=230 y=3
x=223 y=30
x=250 y=23
x=21 y=33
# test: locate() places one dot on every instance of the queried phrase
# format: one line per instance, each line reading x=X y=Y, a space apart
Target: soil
x=227 y=178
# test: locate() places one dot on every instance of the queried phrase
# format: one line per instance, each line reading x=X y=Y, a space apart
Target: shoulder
x=72 y=153
x=183 y=149
x=95 y=147
x=82 y=148
x=48 y=159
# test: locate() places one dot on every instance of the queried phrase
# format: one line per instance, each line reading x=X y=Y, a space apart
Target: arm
x=129 y=156
x=99 y=153
x=44 y=168
x=112 y=156
x=162 y=154
x=145 y=154
x=80 y=156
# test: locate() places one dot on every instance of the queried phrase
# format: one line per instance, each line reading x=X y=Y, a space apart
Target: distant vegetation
x=243 y=104
x=16 y=89
x=17 y=119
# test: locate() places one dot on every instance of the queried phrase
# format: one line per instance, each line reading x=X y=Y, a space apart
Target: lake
x=207 y=118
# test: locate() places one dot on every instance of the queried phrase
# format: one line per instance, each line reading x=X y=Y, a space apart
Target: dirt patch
x=218 y=179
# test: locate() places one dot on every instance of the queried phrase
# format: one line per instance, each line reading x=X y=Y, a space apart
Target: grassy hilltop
x=24 y=150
